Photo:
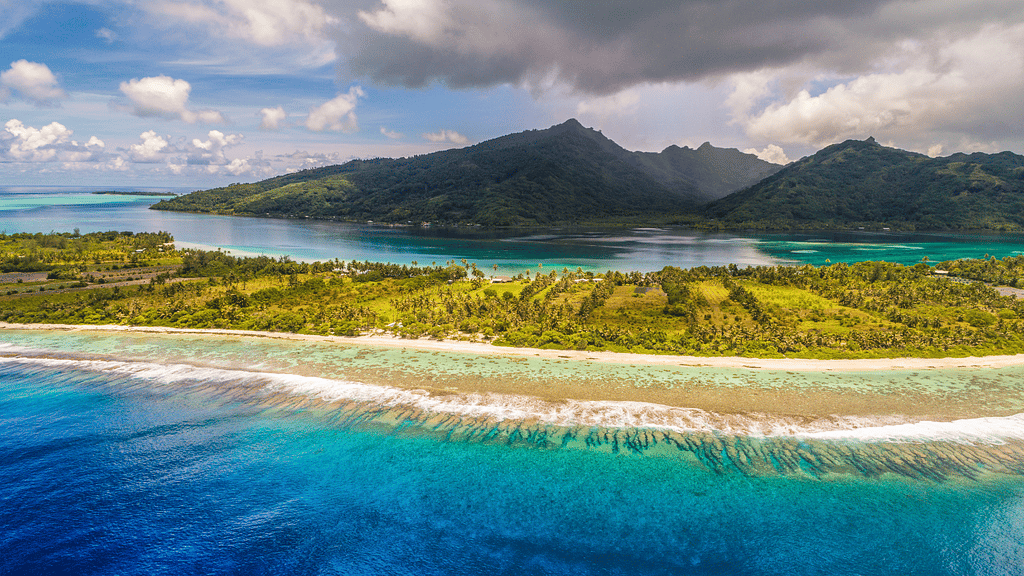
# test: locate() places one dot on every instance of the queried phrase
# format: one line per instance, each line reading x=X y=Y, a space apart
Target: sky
x=201 y=93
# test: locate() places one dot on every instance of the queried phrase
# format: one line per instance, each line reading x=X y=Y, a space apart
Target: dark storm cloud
x=595 y=46
x=605 y=45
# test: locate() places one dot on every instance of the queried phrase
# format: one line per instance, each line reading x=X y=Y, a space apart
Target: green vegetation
x=856 y=183
x=1006 y=272
x=39 y=252
x=566 y=174
x=569 y=174
x=869 y=309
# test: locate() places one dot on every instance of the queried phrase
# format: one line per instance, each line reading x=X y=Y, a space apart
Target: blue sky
x=197 y=93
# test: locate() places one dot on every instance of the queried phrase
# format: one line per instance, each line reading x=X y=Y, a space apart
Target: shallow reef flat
x=932 y=424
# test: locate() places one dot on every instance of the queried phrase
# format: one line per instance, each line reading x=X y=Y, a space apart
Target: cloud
x=446 y=136
x=272 y=118
x=211 y=151
x=956 y=92
x=165 y=97
x=28 y=144
x=771 y=153
x=262 y=22
x=301 y=159
x=803 y=72
x=107 y=35
x=599 y=46
x=54 y=145
x=33 y=82
x=391 y=133
x=604 y=46
x=619 y=104
x=153 y=148
x=50 y=143
x=14 y=13
x=238 y=166
x=337 y=114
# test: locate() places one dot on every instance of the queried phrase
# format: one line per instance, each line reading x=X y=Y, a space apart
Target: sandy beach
x=477 y=380
x=788 y=364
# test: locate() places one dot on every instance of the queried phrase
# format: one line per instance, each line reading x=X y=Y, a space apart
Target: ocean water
x=117 y=458
x=644 y=249
x=133 y=453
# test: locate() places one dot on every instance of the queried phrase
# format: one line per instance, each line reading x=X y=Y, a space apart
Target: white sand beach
x=458 y=346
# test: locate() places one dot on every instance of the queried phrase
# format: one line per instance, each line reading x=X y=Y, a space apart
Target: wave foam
x=981 y=430
x=570 y=413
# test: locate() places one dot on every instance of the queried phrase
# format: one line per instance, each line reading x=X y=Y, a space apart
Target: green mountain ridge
x=566 y=174
x=862 y=183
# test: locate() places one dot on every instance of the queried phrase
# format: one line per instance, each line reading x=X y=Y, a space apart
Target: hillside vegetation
x=861 y=183
x=566 y=174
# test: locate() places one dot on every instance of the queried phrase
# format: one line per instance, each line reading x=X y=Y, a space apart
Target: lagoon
x=643 y=249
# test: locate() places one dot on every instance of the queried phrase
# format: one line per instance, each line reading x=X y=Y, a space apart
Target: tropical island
x=862 y=310
x=572 y=175
x=566 y=174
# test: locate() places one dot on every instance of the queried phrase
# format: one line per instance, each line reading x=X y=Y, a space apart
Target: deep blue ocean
x=110 y=473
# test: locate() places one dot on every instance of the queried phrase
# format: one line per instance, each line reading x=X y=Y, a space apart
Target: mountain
x=715 y=172
x=862 y=183
x=566 y=174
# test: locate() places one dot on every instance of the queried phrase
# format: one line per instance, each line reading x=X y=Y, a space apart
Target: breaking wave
x=266 y=386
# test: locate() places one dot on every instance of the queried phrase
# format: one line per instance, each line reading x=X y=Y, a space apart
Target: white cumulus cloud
x=337 y=114
x=238 y=166
x=450 y=136
x=925 y=96
x=272 y=118
x=211 y=151
x=152 y=148
x=28 y=144
x=51 y=143
x=424 y=20
x=33 y=82
x=302 y=159
x=771 y=153
x=165 y=97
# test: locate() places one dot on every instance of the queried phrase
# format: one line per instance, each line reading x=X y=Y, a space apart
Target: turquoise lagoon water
x=117 y=459
x=644 y=249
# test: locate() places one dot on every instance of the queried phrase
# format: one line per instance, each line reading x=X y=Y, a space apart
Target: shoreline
x=477 y=381
x=485 y=349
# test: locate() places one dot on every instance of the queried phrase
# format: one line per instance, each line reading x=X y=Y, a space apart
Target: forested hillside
x=566 y=174
x=862 y=183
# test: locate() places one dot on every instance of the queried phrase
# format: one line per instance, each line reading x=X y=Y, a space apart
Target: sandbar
x=805 y=393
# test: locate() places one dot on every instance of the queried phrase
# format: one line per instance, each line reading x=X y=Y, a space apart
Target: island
x=862 y=310
x=572 y=175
